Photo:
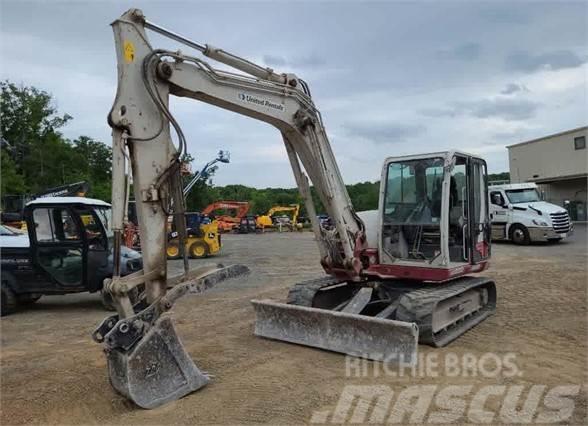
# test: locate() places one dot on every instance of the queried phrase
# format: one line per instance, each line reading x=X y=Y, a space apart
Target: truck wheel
x=519 y=235
x=173 y=250
x=198 y=250
x=27 y=299
x=9 y=302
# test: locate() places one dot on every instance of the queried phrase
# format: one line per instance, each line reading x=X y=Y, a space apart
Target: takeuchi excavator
x=394 y=277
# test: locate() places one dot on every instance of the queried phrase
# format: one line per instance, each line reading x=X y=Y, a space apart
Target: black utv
x=67 y=249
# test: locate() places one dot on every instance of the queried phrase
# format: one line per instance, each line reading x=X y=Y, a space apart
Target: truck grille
x=561 y=222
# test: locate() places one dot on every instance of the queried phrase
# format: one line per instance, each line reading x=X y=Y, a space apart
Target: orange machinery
x=227 y=223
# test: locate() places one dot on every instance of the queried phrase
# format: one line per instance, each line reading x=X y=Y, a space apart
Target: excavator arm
x=241 y=207
x=141 y=119
x=222 y=157
x=146 y=361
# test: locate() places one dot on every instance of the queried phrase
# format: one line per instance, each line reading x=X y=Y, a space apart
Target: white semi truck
x=520 y=215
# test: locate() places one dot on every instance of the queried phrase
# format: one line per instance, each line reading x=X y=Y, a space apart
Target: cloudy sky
x=390 y=78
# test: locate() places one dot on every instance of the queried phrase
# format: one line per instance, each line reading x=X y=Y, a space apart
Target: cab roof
x=439 y=154
x=508 y=186
x=69 y=200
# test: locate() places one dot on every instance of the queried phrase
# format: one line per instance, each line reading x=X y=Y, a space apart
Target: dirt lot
x=52 y=372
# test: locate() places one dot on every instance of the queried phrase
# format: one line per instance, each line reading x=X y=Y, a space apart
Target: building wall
x=547 y=161
x=551 y=157
x=573 y=191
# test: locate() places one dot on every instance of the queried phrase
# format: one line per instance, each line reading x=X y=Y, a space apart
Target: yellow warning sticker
x=129 y=51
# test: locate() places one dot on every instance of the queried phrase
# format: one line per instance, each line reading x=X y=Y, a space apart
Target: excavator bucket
x=147 y=362
x=349 y=333
x=157 y=370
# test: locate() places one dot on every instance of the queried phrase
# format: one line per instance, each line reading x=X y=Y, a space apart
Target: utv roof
x=69 y=200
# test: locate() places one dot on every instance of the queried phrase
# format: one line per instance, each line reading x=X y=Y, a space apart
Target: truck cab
x=520 y=215
x=68 y=249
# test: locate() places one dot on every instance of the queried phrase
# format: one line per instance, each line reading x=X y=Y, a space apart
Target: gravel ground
x=52 y=372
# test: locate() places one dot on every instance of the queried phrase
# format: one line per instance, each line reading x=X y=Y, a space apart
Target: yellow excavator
x=267 y=220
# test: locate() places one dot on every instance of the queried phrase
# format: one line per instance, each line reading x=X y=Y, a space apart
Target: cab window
x=414 y=191
x=54 y=225
x=496 y=198
x=92 y=227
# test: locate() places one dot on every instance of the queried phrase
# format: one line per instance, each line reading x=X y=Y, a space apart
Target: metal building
x=558 y=164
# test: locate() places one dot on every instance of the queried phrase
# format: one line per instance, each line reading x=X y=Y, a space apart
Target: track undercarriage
x=380 y=320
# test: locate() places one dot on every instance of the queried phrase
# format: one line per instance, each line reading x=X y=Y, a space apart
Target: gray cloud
x=504 y=15
x=506 y=137
x=463 y=52
x=505 y=108
x=438 y=112
x=382 y=133
x=512 y=88
x=555 y=60
x=274 y=61
x=356 y=59
x=308 y=61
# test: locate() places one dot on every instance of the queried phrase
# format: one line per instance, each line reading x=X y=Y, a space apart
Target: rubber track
x=418 y=306
x=302 y=293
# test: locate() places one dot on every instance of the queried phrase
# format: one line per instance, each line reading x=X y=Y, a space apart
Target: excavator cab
x=435 y=223
x=432 y=228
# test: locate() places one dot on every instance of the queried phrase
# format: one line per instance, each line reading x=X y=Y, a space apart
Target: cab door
x=57 y=246
x=499 y=214
x=479 y=226
x=95 y=243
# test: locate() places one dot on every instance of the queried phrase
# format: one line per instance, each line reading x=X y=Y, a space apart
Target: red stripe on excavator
x=418 y=273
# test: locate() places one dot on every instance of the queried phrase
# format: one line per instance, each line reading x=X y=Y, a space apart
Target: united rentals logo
x=244 y=97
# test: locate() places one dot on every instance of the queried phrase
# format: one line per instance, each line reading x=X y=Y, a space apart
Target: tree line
x=36 y=156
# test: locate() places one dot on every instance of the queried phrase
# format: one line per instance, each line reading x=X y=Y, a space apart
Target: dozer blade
x=147 y=362
x=357 y=335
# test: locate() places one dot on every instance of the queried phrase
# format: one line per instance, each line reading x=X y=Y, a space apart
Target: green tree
x=12 y=181
x=39 y=157
x=30 y=123
x=504 y=176
x=92 y=161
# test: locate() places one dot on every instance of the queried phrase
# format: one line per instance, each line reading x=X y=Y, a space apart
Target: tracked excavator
x=227 y=223
x=267 y=221
x=394 y=277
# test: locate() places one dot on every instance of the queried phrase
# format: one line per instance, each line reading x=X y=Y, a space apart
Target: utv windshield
x=414 y=191
x=105 y=216
x=527 y=195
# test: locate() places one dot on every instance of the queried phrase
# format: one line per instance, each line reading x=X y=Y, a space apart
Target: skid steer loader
x=394 y=277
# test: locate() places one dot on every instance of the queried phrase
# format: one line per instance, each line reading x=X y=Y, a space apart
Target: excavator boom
x=141 y=122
